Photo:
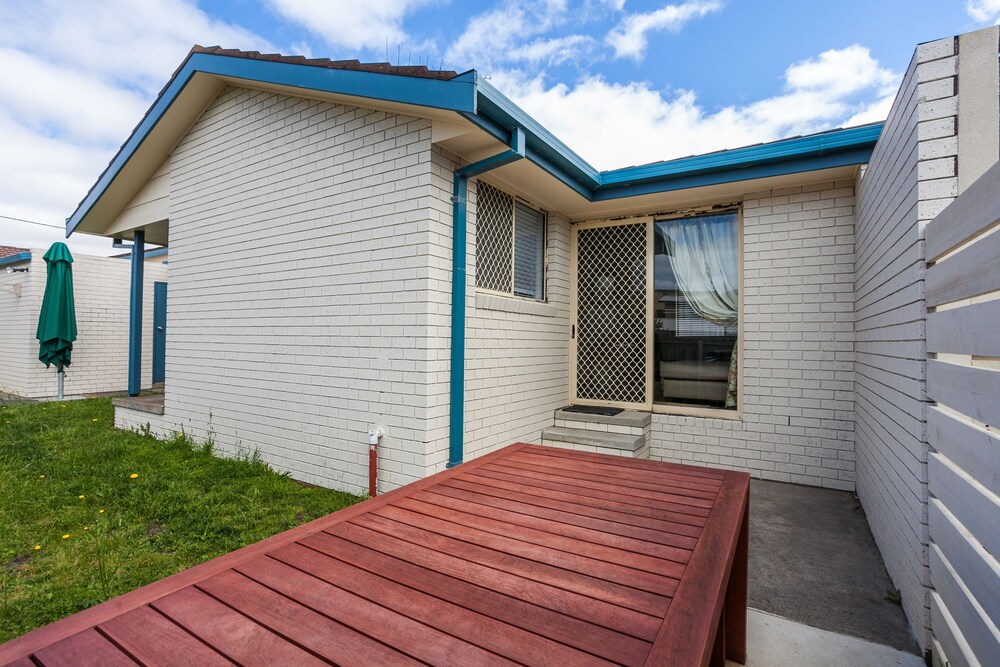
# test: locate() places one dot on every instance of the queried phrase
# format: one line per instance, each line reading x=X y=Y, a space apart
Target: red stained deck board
x=527 y=555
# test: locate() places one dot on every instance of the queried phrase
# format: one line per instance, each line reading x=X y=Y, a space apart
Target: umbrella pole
x=60 y=382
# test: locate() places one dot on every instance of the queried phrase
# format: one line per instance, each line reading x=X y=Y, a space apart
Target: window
x=696 y=310
x=510 y=244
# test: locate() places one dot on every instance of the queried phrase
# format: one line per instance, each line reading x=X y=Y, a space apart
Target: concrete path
x=813 y=560
x=778 y=642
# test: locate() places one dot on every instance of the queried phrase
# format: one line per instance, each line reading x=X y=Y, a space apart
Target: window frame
x=515 y=200
x=649 y=405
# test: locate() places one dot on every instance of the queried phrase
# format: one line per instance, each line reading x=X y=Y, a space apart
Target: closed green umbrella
x=57 y=321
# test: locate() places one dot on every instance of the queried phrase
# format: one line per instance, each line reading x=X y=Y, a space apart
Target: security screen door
x=611 y=303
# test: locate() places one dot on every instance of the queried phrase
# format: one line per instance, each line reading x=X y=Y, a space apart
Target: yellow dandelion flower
x=37 y=547
x=100 y=511
x=81 y=497
x=41 y=477
x=93 y=420
x=65 y=537
x=86 y=527
x=133 y=475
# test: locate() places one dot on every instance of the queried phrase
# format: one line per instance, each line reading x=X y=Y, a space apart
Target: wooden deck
x=530 y=555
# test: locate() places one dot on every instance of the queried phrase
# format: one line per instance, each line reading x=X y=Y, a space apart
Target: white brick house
x=365 y=245
x=100 y=353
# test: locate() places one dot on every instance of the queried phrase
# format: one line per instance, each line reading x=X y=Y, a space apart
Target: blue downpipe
x=460 y=189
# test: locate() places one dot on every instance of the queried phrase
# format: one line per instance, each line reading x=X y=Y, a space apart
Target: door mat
x=594 y=410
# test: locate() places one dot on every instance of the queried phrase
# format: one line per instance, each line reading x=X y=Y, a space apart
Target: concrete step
x=630 y=418
x=567 y=437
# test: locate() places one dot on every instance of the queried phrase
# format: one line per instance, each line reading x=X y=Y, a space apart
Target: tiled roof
x=379 y=68
x=7 y=251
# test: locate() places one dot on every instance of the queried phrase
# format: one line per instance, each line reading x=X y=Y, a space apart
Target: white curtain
x=703 y=253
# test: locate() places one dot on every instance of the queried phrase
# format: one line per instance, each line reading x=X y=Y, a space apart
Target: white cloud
x=640 y=124
x=354 y=24
x=499 y=36
x=629 y=37
x=984 y=11
x=75 y=78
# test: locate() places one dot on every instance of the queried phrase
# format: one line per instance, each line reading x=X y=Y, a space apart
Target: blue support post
x=456 y=415
x=135 y=315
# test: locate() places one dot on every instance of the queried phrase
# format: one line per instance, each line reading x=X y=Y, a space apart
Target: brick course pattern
x=299 y=315
x=911 y=178
x=798 y=347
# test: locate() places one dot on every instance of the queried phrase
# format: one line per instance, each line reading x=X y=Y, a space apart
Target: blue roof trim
x=684 y=181
x=481 y=103
x=499 y=108
x=817 y=144
x=825 y=150
x=14 y=259
x=456 y=94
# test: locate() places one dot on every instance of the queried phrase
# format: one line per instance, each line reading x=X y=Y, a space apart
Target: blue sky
x=620 y=81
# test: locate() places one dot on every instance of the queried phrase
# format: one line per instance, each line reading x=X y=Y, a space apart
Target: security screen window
x=696 y=310
x=510 y=245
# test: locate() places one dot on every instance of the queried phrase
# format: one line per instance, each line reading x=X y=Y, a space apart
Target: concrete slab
x=813 y=560
x=773 y=641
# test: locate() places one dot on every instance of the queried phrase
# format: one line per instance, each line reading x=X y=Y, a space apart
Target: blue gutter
x=135 y=315
x=14 y=259
x=459 y=219
x=496 y=114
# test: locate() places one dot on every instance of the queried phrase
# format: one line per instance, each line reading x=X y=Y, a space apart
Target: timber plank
x=689 y=628
x=572 y=555
x=153 y=640
x=548 y=533
x=598 y=611
x=527 y=567
x=653 y=530
x=609 y=473
x=88 y=648
x=625 y=503
x=444 y=616
x=545 y=622
x=360 y=623
x=236 y=636
x=665 y=488
x=624 y=492
x=597 y=531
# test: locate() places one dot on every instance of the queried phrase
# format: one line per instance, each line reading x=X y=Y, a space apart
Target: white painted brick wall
x=101 y=287
x=911 y=177
x=798 y=347
x=517 y=363
x=299 y=311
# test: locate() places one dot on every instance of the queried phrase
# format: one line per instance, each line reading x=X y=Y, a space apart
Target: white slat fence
x=962 y=288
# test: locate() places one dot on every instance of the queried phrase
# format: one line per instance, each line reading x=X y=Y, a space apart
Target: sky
x=622 y=82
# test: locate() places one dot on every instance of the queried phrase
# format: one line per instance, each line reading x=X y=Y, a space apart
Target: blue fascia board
x=820 y=151
x=456 y=94
x=735 y=174
x=789 y=149
x=14 y=259
x=498 y=107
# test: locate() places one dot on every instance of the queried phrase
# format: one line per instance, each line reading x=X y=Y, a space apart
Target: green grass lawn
x=88 y=512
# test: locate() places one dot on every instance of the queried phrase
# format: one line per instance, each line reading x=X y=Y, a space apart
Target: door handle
x=159 y=328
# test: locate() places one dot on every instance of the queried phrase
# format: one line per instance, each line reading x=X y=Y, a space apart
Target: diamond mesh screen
x=494 y=238
x=611 y=314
